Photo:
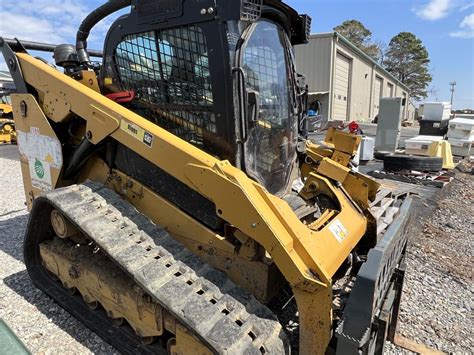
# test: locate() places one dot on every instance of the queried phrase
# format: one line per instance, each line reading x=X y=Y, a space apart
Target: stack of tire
x=401 y=162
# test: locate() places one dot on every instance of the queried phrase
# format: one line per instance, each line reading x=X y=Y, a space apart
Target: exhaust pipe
x=90 y=21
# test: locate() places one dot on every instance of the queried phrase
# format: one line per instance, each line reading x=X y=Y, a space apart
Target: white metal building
x=348 y=83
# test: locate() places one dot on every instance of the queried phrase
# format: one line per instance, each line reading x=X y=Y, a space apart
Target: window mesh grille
x=169 y=73
x=251 y=10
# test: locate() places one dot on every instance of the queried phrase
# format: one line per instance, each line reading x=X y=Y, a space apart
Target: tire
x=398 y=162
x=380 y=155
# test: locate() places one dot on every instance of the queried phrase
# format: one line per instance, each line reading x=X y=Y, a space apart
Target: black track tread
x=115 y=226
x=397 y=162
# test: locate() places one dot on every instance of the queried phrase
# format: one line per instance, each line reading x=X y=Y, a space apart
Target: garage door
x=377 y=94
x=405 y=106
x=341 y=88
x=390 y=89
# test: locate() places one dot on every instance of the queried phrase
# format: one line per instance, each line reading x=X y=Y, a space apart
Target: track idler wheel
x=62 y=227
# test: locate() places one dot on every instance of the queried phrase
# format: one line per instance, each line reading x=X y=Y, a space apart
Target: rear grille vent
x=307 y=21
x=251 y=10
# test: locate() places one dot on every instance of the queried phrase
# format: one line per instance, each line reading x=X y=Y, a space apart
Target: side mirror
x=253 y=101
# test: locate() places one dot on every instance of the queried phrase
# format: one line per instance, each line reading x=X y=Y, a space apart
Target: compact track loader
x=7 y=124
x=176 y=203
x=7 y=131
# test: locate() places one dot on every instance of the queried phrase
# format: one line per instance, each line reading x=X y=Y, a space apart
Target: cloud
x=466 y=28
x=466 y=7
x=435 y=9
x=438 y=9
x=30 y=28
x=53 y=21
x=50 y=21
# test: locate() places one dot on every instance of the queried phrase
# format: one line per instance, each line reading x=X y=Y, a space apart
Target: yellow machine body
x=264 y=244
x=307 y=256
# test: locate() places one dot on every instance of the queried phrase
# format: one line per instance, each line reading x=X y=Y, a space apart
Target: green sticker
x=39 y=169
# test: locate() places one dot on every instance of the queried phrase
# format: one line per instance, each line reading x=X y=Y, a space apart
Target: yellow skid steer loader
x=176 y=203
x=7 y=125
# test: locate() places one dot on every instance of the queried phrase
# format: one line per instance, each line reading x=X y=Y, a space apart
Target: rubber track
x=224 y=316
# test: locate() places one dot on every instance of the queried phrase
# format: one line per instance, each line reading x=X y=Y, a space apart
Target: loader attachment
x=371 y=314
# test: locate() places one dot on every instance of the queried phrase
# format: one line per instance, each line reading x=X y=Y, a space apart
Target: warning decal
x=338 y=230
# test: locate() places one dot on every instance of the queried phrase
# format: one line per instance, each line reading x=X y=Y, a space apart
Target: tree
x=360 y=36
x=383 y=47
x=407 y=59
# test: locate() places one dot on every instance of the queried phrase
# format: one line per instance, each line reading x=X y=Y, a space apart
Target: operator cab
x=220 y=78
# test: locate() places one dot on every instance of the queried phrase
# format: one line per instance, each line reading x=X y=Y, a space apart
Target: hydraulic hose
x=79 y=157
x=91 y=20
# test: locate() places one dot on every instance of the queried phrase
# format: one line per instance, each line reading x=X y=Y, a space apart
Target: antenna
x=453 y=89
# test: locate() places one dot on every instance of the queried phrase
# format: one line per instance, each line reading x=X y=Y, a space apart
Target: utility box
x=435 y=118
x=461 y=136
x=435 y=111
x=461 y=147
x=419 y=145
x=367 y=146
x=433 y=128
x=461 y=128
x=389 y=124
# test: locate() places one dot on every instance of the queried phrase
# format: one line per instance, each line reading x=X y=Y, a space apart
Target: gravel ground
x=436 y=305
x=43 y=326
x=437 y=299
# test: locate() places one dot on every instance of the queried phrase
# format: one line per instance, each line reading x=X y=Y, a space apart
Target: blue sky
x=446 y=27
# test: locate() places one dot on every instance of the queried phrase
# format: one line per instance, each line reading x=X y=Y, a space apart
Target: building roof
x=360 y=53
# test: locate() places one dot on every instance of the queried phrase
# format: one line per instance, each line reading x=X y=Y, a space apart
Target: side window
x=270 y=148
x=169 y=72
x=265 y=63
